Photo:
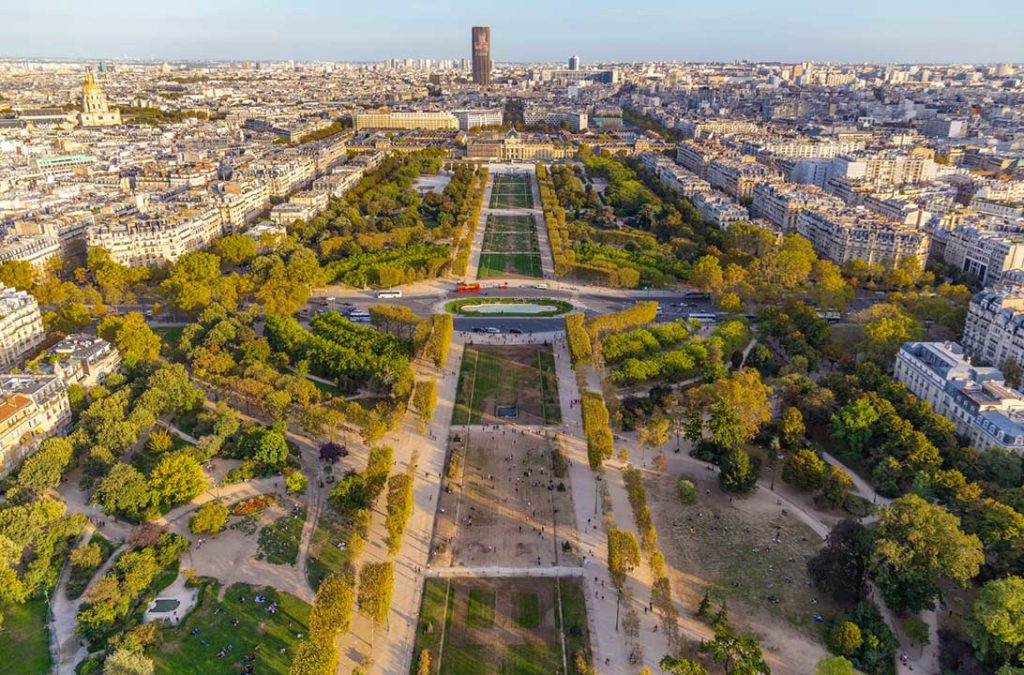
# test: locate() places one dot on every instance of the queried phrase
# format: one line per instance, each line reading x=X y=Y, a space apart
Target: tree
x=804 y=469
x=375 y=586
x=315 y=657
x=351 y=494
x=43 y=470
x=87 y=557
x=853 y=423
x=738 y=473
x=680 y=666
x=656 y=432
x=126 y=662
x=706 y=274
x=132 y=337
x=840 y=568
x=210 y=517
x=19 y=274
x=996 y=626
x=845 y=638
x=159 y=441
x=737 y=654
x=236 y=249
x=423 y=663
x=836 y=487
x=886 y=328
x=123 y=491
x=916 y=544
x=833 y=665
x=296 y=482
x=176 y=479
x=791 y=427
x=71 y=318
x=271 y=449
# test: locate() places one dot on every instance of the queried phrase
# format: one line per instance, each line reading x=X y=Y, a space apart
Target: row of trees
x=600 y=442
x=468 y=218
x=577 y=338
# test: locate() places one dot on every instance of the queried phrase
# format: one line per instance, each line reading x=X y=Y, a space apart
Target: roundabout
x=508 y=307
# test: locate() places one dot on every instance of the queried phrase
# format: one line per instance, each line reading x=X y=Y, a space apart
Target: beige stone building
x=21 y=326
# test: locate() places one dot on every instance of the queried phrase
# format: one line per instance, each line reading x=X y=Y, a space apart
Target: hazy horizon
x=527 y=31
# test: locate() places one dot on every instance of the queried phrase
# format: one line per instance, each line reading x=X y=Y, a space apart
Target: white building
x=842 y=236
x=984 y=253
x=976 y=399
x=33 y=249
x=32 y=408
x=994 y=327
x=21 y=326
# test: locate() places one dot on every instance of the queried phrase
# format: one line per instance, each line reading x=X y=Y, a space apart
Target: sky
x=942 y=31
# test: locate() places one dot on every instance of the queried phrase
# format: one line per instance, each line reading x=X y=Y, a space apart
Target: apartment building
x=985 y=253
x=406 y=120
x=842 y=236
x=695 y=157
x=154 y=241
x=976 y=399
x=994 y=327
x=781 y=204
x=339 y=181
x=32 y=408
x=241 y=202
x=36 y=250
x=736 y=176
x=286 y=214
x=886 y=169
x=282 y=174
x=82 y=359
x=21 y=326
x=718 y=208
x=474 y=119
x=577 y=121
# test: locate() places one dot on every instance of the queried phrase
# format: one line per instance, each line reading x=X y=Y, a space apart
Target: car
x=149 y=314
x=492 y=330
x=478 y=329
x=515 y=331
x=542 y=287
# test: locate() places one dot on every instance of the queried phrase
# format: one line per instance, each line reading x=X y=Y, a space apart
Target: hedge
x=600 y=443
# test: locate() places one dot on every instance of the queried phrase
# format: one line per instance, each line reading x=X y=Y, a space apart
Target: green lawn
x=574 y=618
x=279 y=541
x=491 y=377
x=271 y=637
x=481 y=608
x=525 y=609
x=325 y=556
x=25 y=638
x=503 y=264
x=436 y=594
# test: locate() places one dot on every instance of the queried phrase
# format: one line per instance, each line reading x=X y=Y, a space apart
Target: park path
x=606 y=642
x=391 y=646
x=547 y=262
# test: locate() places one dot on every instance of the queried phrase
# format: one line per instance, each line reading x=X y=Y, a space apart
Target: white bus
x=389 y=294
x=359 y=316
x=703 y=317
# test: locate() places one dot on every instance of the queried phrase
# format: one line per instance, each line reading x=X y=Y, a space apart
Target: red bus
x=467 y=288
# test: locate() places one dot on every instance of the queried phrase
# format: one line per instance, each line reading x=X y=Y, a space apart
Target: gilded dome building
x=95 y=110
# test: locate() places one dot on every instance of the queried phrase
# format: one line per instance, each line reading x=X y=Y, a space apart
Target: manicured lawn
x=503 y=264
x=523 y=377
x=466 y=659
x=481 y=608
x=436 y=595
x=279 y=541
x=271 y=637
x=25 y=638
x=464 y=306
x=525 y=609
x=574 y=618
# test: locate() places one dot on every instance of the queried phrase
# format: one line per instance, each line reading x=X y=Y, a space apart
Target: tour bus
x=696 y=295
x=389 y=294
x=359 y=316
x=467 y=288
x=703 y=317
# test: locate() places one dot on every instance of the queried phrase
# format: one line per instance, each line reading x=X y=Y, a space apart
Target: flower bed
x=247 y=507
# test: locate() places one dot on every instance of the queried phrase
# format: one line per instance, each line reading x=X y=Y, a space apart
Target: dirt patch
x=503 y=504
x=750 y=554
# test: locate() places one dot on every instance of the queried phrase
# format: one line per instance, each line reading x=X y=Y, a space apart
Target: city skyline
x=792 y=31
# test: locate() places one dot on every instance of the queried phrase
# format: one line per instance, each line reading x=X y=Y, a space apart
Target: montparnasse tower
x=96 y=111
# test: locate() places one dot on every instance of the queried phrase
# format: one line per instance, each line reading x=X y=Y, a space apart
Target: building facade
x=843 y=236
x=481 y=46
x=976 y=399
x=21 y=326
x=32 y=409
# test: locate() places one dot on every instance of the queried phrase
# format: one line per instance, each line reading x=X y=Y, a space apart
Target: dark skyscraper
x=482 y=55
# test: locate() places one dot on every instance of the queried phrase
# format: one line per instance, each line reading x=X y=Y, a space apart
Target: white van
x=389 y=294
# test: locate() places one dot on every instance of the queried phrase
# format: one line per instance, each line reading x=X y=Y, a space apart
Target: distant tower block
x=482 y=55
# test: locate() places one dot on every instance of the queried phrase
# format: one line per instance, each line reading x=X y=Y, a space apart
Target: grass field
x=523 y=635
x=509 y=264
x=24 y=638
x=521 y=376
x=511 y=191
x=325 y=554
x=510 y=234
x=271 y=637
x=279 y=541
